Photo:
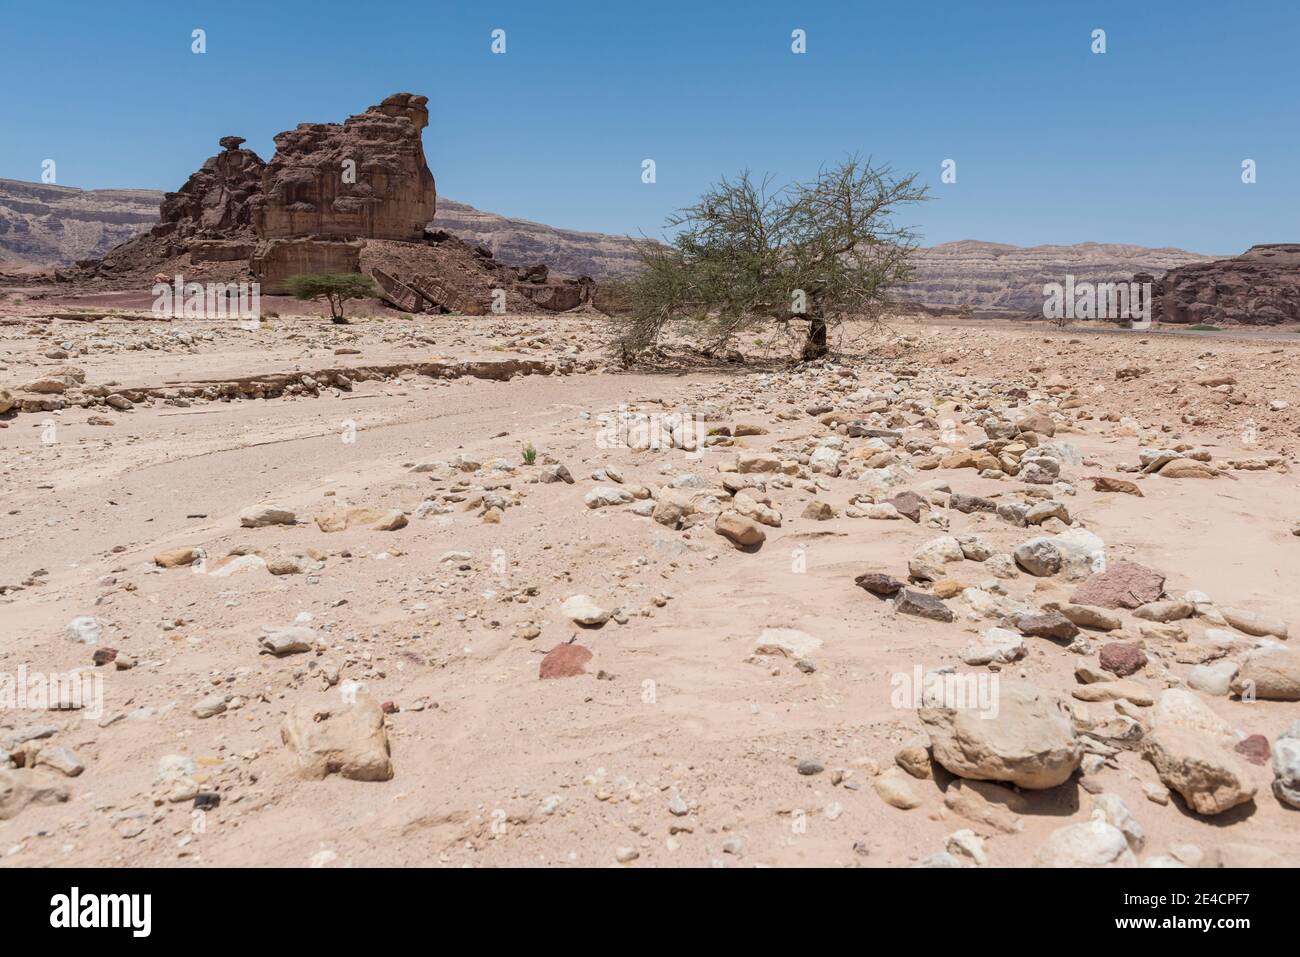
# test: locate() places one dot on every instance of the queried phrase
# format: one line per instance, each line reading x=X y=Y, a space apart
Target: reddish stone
x=388 y=708
x=1254 y=749
x=565 y=661
x=103 y=656
x=908 y=505
x=1122 y=585
x=1122 y=658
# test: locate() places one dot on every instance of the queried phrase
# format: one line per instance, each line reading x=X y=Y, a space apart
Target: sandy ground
x=448 y=618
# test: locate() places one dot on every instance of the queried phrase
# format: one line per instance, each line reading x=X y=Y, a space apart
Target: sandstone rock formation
x=366 y=177
x=1259 y=287
x=214 y=202
x=275 y=261
x=336 y=198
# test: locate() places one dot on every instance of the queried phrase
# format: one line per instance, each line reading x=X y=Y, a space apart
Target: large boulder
x=1027 y=739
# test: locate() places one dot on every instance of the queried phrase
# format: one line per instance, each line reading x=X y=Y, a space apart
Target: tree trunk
x=815 y=346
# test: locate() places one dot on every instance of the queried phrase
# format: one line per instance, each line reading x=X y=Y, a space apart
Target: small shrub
x=530 y=454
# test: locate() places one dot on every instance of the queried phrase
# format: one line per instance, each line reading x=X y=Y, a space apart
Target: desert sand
x=403 y=691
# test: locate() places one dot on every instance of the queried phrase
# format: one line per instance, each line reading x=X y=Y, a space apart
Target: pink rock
x=1122 y=658
x=1254 y=749
x=1122 y=585
x=565 y=661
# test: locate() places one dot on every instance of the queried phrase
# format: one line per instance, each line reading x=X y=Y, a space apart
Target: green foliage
x=334 y=288
x=530 y=454
x=746 y=253
x=1204 y=327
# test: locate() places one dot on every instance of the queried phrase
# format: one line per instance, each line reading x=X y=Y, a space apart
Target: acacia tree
x=334 y=288
x=819 y=251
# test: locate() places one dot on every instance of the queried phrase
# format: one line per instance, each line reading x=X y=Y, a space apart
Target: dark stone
x=922 y=606
x=1049 y=624
x=103 y=656
x=878 y=583
x=207 y=800
x=972 y=503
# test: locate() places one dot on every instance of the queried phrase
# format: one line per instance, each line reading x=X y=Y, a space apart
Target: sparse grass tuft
x=530 y=454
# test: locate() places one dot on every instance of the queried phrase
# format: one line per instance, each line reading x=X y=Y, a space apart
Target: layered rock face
x=1259 y=287
x=275 y=261
x=366 y=177
x=599 y=255
x=43 y=225
x=1002 y=277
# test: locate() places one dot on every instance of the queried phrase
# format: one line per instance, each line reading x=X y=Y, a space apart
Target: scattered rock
x=921 y=605
x=349 y=741
x=1088 y=616
x=1214 y=678
x=582 y=610
x=1122 y=585
x=1027 y=740
x=260 y=516
x=1093 y=843
x=1049 y=624
x=290 y=640
x=564 y=661
x=20 y=789
x=1270 y=674
x=879 y=584
x=988 y=804
x=787 y=642
x=895 y=789
x=1286 y=766
x=1122 y=658
x=740 y=531
x=818 y=511
x=603 y=496
x=340 y=519
x=85 y=629
x=1209 y=778
x=1260 y=626
x=996 y=645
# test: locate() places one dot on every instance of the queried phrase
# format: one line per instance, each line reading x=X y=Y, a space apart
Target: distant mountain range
x=43 y=226
x=998 y=276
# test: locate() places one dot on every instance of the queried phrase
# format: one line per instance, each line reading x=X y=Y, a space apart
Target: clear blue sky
x=1142 y=144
